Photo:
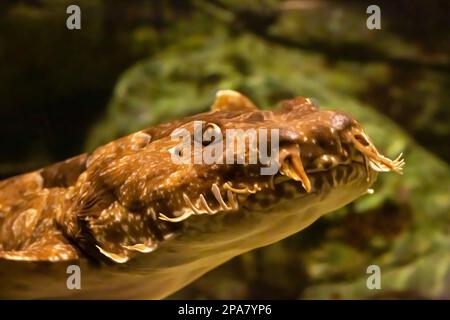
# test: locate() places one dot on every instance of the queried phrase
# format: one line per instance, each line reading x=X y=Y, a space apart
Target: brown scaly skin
x=140 y=226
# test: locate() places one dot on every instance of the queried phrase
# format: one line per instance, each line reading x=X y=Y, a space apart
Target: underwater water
x=131 y=66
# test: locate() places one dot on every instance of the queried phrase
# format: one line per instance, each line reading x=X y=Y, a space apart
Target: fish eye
x=211 y=134
x=176 y=151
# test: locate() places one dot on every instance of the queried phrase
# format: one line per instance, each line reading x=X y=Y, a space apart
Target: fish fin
x=230 y=100
x=300 y=105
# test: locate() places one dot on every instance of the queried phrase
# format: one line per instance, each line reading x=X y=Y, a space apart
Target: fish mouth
x=360 y=157
x=362 y=151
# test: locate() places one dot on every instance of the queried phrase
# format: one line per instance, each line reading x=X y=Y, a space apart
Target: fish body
x=140 y=225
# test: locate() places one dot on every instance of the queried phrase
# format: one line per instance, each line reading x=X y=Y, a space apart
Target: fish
x=138 y=225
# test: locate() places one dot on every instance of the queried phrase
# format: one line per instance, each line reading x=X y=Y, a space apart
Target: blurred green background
x=137 y=63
